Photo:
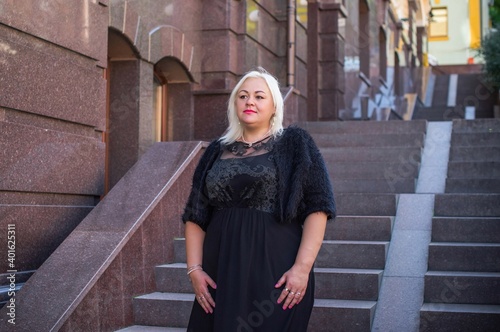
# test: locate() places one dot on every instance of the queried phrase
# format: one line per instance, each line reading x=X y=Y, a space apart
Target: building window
x=252 y=19
x=302 y=12
x=160 y=110
x=438 y=27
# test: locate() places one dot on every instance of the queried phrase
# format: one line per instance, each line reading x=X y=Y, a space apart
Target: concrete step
x=475 y=139
x=483 y=113
x=333 y=254
x=438 y=113
x=163 y=309
x=484 y=186
x=476 y=153
x=375 y=154
x=341 y=316
x=353 y=284
x=179 y=250
x=467 y=205
x=365 y=127
x=474 y=170
x=461 y=256
x=473 y=91
x=459 y=317
x=481 y=230
x=172 y=278
x=462 y=287
x=359 y=204
x=373 y=170
x=360 y=228
x=402 y=185
x=440 y=95
x=352 y=254
x=369 y=140
x=347 y=284
x=476 y=126
x=173 y=310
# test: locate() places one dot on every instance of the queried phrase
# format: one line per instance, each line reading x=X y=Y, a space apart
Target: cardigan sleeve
x=317 y=188
x=197 y=208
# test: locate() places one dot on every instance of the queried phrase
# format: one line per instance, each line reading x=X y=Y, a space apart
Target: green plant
x=490 y=50
x=495 y=13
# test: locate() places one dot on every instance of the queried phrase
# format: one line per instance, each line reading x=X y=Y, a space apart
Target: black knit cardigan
x=303 y=180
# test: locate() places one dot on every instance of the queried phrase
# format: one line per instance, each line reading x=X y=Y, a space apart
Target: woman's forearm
x=195 y=237
x=312 y=238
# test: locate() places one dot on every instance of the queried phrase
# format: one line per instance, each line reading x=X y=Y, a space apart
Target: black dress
x=246 y=251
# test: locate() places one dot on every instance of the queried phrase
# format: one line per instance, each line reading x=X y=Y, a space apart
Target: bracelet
x=194 y=268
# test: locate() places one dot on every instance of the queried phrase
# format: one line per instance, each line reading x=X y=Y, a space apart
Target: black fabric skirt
x=246 y=252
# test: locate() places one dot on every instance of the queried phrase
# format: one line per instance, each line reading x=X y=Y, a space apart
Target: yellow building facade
x=456 y=28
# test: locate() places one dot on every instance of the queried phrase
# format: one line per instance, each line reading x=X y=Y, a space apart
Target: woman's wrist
x=303 y=267
x=193 y=268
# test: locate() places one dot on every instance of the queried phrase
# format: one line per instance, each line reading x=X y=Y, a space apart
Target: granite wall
x=89 y=282
x=52 y=117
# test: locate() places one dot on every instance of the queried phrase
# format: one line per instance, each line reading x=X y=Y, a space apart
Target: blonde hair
x=234 y=129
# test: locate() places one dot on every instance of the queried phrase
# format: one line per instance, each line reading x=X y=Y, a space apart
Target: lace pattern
x=241 y=149
x=248 y=182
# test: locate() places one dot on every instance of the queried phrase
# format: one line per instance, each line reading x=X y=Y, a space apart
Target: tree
x=490 y=50
x=495 y=14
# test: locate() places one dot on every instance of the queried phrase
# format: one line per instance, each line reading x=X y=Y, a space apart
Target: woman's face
x=254 y=104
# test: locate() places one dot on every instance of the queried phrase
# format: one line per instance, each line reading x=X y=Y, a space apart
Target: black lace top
x=303 y=181
x=244 y=176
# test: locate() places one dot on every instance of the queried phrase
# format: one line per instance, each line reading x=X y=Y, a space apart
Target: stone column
x=421 y=34
x=146 y=132
x=223 y=61
x=326 y=60
x=123 y=118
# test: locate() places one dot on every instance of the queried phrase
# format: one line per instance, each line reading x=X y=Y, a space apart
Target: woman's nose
x=250 y=101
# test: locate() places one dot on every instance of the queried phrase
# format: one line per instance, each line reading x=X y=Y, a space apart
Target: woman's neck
x=253 y=136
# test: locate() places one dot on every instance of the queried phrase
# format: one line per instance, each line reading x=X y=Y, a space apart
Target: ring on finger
x=287 y=290
x=297 y=294
x=292 y=292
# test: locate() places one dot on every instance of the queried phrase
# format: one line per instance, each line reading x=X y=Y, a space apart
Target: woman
x=256 y=217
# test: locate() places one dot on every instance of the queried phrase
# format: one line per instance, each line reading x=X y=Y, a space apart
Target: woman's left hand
x=295 y=282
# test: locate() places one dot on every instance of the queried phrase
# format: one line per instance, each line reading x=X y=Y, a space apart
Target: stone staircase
x=454 y=96
x=462 y=285
x=438 y=107
x=370 y=164
x=474 y=164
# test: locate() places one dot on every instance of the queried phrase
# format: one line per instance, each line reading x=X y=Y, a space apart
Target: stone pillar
x=123 y=132
x=312 y=60
x=146 y=131
x=412 y=35
x=398 y=91
x=326 y=39
x=222 y=62
x=421 y=34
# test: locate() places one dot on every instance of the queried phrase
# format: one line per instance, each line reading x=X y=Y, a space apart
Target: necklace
x=257 y=141
x=240 y=148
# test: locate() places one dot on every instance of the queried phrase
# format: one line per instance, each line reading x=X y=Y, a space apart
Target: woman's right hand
x=200 y=281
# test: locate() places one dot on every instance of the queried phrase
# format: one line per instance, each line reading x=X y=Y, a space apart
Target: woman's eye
x=243 y=97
